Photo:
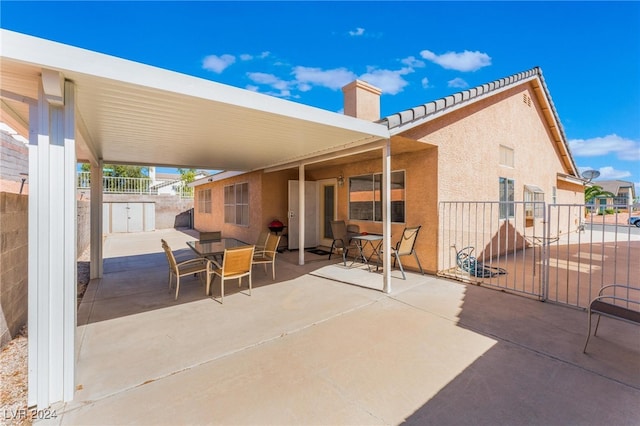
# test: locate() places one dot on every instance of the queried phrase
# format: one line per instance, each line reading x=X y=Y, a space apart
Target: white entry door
x=310 y=218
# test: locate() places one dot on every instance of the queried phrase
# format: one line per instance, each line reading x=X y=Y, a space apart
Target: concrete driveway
x=307 y=349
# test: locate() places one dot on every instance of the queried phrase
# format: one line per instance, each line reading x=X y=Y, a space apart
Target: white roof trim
x=134 y=113
x=215 y=178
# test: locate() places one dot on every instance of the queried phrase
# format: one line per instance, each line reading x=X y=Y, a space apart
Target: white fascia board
x=71 y=60
x=572 y=179
x=215 y=178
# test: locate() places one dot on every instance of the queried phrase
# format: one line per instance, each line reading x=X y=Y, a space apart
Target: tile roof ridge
x=439 y=105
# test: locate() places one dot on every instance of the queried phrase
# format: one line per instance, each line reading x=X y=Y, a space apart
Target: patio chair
x=268 y=255
x=341 y=239
x=406 y=247
x=210 y=235
x=470 y=264
x=178 y=269
x=262 y=240
x=236 y=264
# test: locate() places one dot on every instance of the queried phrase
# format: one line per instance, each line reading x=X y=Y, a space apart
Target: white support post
x=301 y=214
x=34 y=231
x=96 y=264
x=386 y=217
x=52 y=250
x=70 y=243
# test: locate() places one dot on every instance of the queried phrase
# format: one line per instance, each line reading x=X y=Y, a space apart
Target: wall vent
x=526 y=99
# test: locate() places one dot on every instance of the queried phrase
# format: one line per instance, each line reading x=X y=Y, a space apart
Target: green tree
x=186 y=176
x=596 y=191
x=116 y=170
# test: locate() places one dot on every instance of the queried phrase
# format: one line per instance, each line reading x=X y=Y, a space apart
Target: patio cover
x=78 y=105
x=131 y=113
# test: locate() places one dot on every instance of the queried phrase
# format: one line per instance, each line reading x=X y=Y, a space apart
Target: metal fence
x=558 y=252
x=128 y=185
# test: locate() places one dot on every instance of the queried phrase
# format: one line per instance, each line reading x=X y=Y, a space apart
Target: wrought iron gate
x=559 y=252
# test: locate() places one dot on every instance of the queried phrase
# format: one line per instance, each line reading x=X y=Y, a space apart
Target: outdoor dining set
x=233 y=259
x=227 y=258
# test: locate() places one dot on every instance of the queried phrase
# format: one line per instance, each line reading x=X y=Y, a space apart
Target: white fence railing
x=128 y=185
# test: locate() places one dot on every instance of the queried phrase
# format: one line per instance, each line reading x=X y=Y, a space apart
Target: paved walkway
x=309 y=350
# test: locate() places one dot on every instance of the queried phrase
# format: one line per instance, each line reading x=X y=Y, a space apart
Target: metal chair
x=406 y=247
x=262 y=240
x=341 y=239
x=187 y=267
x=210 y=235
x=268 y=254
x=236 y=264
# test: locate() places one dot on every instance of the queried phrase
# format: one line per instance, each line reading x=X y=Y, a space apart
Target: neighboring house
x=501 y=141
x=625 y=193
x=14 y=161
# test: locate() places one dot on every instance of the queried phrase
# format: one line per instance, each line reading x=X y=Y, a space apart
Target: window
x=507 y=208
x=533 y=201
x=365 y=197
x=236 y=204
x=506 y=156
x=204 y=201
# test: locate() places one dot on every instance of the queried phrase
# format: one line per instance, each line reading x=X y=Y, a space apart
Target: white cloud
x=249 y=57
x=217 y=64
x=333 y=79
x=425 y=83
x=357 y=32
x=606 y=173
x=464 y=61
x=389 y=81
x=282 y=87
x=625 y=149
x=609 y=173
x=458 y=83
x=413 y=62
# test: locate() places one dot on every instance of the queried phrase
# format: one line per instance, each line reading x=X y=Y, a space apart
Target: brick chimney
x=362 y=100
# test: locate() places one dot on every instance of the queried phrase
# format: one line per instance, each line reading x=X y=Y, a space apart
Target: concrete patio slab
x=305 y=349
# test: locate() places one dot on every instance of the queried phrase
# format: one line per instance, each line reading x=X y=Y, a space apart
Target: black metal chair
x=406 y=247
x=341 y=239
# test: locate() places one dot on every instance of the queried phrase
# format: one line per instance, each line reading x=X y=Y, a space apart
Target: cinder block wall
x=14 y=221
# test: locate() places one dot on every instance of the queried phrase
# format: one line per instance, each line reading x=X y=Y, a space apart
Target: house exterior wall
x=469 y=165
x=460 y=161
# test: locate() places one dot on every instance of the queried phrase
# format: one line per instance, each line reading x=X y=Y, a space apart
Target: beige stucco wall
x=459 y=160
x=468 y=142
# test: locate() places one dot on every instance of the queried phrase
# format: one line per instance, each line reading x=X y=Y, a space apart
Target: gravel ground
x=13 y=364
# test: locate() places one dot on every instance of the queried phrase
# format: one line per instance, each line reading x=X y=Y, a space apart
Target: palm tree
x=596 y=191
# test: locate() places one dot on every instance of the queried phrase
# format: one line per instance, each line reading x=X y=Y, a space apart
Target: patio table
x=214 y=248
x=361 y=241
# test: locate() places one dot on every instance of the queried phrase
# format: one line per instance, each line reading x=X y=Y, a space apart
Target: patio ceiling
x=131 y=113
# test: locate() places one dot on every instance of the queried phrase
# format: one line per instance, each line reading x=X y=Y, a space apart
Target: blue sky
x=415 y=51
